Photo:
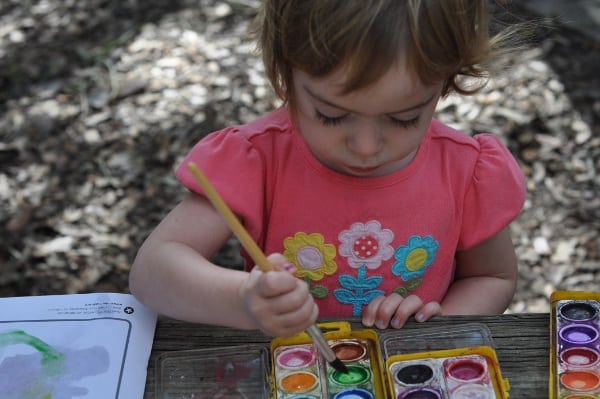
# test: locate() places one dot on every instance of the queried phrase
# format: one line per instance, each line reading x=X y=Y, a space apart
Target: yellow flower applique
x=311 y=256
x=313 y=259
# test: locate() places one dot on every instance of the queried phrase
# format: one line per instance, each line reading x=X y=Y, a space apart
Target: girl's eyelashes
x=329 y=120
x=336 y=120
x=405 y=123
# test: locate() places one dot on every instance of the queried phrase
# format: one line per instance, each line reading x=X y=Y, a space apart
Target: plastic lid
x=427 y=339
x=226 y=372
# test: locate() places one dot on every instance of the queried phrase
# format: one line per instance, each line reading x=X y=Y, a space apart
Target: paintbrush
x=260 y=259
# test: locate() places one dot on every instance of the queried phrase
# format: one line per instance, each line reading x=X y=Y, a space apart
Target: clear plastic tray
x=215 y=373
x=433 y=338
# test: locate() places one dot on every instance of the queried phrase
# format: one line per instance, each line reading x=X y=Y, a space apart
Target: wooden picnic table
x=521 y=342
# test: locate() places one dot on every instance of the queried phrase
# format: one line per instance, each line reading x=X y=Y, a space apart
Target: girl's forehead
x=395 y=92
x=398 y=79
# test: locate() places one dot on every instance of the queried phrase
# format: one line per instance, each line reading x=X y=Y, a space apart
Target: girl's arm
x=485 y=278
x=173 y=275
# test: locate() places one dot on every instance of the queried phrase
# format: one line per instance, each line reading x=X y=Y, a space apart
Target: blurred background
x=100 y=100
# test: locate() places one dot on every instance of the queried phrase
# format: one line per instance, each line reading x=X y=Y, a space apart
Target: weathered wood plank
x=521 y=342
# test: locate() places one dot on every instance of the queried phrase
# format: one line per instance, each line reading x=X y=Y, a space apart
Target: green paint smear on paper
x=53 y=362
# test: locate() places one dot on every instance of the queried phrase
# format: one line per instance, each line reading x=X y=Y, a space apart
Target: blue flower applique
x=415 y=257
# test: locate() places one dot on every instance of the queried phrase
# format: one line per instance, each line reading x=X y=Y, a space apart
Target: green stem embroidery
x=317 y=291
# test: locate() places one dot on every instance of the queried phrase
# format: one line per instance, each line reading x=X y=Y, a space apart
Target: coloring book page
x=82 y=346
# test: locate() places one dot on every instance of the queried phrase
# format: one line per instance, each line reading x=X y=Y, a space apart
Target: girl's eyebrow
x=331 y=104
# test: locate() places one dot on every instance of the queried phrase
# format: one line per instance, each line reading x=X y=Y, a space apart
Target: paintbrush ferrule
x=323 y=347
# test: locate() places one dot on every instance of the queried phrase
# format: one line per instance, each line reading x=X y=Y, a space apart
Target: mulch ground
x=99 y=101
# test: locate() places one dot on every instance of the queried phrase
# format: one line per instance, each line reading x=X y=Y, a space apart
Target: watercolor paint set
x=457 y=363
x=575 y=345
x=428 y=363
x=458 y=374
x=300 y=372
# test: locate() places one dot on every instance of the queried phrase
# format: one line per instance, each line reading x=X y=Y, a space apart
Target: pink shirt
x=353 y=239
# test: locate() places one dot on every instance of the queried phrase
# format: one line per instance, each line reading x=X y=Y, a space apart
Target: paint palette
x=461 y=374
x=426 y=363
x=457 y=363
x=299 y=369
x=301 y=372
x=216 y=373
x=575 y=343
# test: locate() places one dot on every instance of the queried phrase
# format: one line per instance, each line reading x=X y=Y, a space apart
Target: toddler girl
x=379 y=210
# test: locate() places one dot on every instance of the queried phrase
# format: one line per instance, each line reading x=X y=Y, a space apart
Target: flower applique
x=313 y=259
x=412 y=260
x=365 y=246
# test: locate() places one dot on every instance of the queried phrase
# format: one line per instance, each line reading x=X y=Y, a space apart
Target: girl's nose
x=366 y=141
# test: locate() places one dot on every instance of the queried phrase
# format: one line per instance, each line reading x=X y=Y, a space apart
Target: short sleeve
x=237 y=171
x=495 y=195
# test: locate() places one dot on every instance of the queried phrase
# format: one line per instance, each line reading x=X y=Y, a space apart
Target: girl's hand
x=279 y=303
x=394 y=310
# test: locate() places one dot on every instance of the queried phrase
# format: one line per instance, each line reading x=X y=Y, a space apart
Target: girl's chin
x=376 y=171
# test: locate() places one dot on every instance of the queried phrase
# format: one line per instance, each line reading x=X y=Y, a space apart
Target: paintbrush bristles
x=232 y=221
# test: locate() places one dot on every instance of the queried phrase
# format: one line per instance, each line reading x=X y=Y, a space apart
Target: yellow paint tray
x=441 y=363
x=299 y=371
x=574 y=345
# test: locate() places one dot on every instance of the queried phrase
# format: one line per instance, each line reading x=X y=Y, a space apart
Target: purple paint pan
x=421 y=393
x=578 y=335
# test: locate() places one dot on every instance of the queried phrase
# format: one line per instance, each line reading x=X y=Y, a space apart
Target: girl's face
x=369 y=132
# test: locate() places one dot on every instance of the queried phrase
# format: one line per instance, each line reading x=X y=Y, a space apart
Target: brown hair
x=441 y=40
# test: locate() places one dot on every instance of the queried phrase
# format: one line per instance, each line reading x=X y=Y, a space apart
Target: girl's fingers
x=281 y=263
x=296 y=320
x=394 y=311
x=428 y=311
x=380 y=311
x=276 y=283
x=408 y=307
x=292 y=300
x=370 y=312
